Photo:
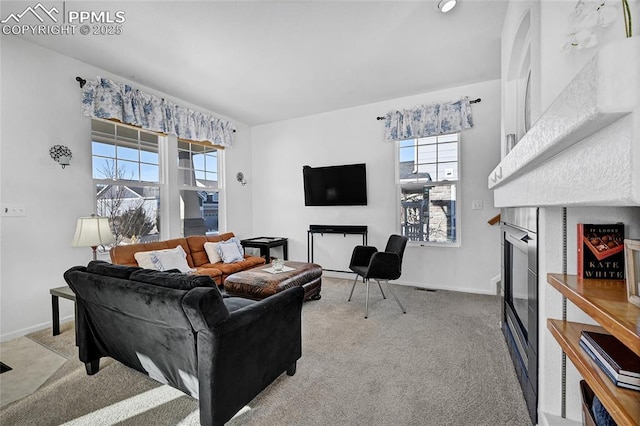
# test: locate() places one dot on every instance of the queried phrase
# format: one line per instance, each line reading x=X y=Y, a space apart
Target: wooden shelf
x=622 y=404
x=606 y=302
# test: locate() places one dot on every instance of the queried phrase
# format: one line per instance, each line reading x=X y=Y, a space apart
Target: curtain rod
x=82 y=82
x=475 y=101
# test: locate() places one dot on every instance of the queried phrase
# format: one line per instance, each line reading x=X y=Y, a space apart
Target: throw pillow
x=212 y=253
x=162 y=260
x=237 y=241
x=229 y=252
x=144 y=259
x=172 y=259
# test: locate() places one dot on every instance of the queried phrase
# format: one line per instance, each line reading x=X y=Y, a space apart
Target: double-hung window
x=126 y=174
x=427 y=178
x=199 y=187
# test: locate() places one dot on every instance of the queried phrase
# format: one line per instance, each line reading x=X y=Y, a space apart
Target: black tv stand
x=333 y=229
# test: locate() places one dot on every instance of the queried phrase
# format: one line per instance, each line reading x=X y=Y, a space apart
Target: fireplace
x=520 y=301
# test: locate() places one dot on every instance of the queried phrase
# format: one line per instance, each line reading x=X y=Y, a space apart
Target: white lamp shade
x=92 y=231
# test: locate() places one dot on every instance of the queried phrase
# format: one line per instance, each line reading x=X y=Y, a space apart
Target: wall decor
x=61 y=154
x=240 y=178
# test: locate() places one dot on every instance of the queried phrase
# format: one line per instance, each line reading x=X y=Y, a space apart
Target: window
x=199 y=187
x=427 y=176
x=126 y=174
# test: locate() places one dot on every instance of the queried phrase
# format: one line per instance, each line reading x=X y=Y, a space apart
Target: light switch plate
x=476 y=205
x=15 y=210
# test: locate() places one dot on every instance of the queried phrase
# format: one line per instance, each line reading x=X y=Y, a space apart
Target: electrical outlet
x=15 y=210
x=476 y=205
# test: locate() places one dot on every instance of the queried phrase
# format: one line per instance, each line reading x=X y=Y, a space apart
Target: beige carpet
x=443 y=363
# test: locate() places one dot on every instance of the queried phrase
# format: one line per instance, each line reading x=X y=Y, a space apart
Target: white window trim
x=185 y=187
x=457 y=182
x=222 y=192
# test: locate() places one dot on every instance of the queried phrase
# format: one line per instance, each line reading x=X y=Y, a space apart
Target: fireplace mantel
x=585 y=148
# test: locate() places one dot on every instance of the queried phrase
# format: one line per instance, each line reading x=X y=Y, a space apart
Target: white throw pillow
x=212 y=253
x=229 y=251
x=144 y=259
x=173 y=259
x=162 y=260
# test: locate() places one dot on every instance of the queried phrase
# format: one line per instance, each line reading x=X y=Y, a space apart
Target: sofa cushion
x=101 y=267
x=204 y=307
x=246 y=263
x=196 y=246
x=210 y=270
x=235 y=303
x=174 y=280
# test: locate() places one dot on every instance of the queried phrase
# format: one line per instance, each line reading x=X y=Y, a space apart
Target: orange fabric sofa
x=196 y=255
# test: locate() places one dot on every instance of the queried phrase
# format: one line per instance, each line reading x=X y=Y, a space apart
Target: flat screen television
x=344 y=185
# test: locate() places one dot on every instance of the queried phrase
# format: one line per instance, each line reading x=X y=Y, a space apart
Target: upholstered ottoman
x=258 y=283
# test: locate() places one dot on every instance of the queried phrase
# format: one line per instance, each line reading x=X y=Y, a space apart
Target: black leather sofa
x=180 y=330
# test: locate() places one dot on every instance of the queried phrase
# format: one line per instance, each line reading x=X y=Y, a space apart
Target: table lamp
x=92 y=231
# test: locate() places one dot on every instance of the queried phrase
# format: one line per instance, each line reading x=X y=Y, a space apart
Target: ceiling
x=263 y=61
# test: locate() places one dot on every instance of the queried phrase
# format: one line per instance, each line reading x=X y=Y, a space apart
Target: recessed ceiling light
x=446 y=5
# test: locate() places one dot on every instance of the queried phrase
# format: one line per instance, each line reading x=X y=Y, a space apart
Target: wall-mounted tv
x=344 y=185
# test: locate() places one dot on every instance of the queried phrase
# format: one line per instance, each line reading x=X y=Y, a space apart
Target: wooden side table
x=265 y=244
x=56 y=293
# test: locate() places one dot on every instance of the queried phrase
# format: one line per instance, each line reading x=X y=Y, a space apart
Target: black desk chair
x=369 y=263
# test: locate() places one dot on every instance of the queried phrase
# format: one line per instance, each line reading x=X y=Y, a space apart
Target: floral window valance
x=103 y=98
x=428 y=120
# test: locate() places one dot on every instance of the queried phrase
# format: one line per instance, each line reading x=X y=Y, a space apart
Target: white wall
x=355 y=136
x=41 y=108
x=238 y=199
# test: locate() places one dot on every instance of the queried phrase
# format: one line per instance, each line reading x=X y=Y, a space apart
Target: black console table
x=333 y=229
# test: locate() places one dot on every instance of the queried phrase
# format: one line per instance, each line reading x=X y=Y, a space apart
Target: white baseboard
x=351 y=276
x=340 y=275
x=428 y=286
x=496 y=282
x=546 y=419
x=24 y=331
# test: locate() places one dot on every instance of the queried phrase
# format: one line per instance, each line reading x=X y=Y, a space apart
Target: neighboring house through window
x=126 y=173
x=427 y=177
x=127 y=165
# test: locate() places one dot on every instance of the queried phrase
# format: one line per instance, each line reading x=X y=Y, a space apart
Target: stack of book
x=619 y=362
